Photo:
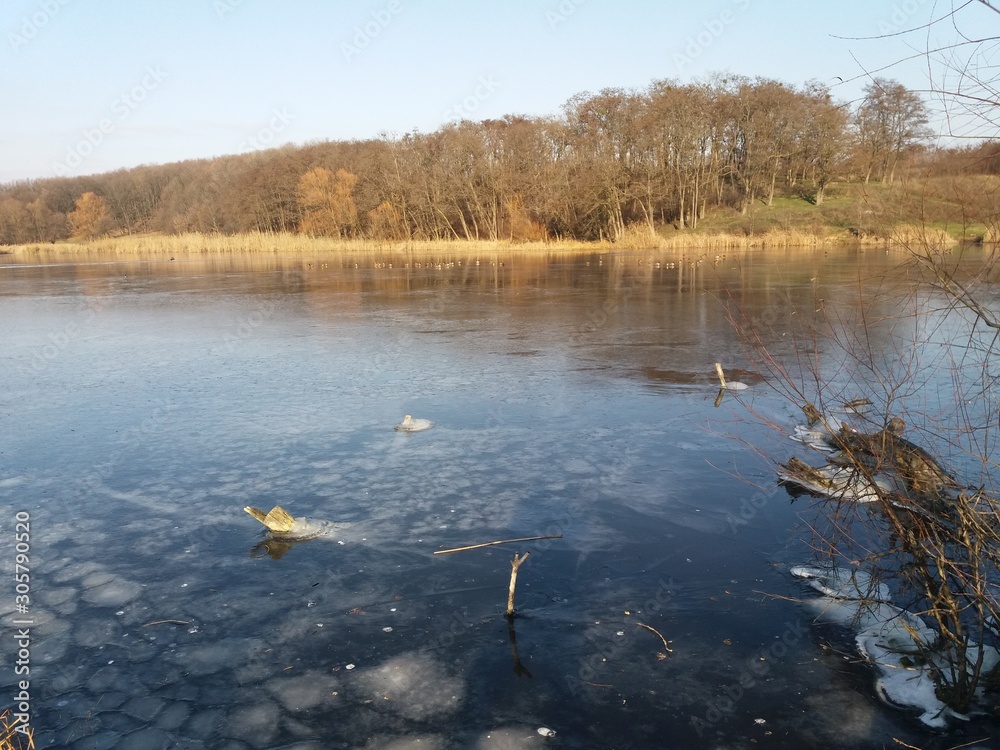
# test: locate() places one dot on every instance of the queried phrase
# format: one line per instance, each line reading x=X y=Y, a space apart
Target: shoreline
x=253 y=244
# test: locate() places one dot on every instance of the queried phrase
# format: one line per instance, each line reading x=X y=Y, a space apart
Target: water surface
x=147 y=401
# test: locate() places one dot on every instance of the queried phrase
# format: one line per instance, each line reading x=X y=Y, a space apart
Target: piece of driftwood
x=276 y=519
x=514 y=565
x=492 y=544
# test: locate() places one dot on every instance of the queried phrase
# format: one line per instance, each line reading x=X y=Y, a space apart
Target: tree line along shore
x=729 y=163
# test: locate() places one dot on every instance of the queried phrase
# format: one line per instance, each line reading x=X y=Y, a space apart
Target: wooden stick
x=514 y=565
x=491 y=544
x=722 y=378
x=164 y=622
x=666 y=643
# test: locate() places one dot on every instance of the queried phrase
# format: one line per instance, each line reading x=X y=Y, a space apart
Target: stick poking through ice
x=514 y=565
x=733 y=386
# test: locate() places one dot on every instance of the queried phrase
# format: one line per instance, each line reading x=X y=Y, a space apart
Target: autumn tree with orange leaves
x=90 y=218
x=328 y=208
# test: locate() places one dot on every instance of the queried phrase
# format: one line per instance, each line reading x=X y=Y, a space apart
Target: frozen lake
x=146 y=402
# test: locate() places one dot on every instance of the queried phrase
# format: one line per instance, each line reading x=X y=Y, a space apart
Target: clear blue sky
x=93 y=86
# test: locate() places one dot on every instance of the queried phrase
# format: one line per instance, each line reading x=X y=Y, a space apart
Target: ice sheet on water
x=79 y=571
x=58 y=595
x=304 y=691
x=145 y=708
x=225 y=653
x=105 y=740
x=256 y=723
x=115 y=592
x=145 y=739
x=414 y=686
x=410 y=742
x=510 y=738
x=97 y=578
x=203 y=724
x=174 y=714
x=93 y=632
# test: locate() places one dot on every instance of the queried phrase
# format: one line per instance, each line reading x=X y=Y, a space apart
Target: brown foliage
x=386 y=223
x=328 y=208
x=90 y=218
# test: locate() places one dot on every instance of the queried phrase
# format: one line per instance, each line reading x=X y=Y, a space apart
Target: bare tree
x=890 y=119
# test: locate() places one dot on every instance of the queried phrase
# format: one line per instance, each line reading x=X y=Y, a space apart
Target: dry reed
x=636 y=237
x=11 y=738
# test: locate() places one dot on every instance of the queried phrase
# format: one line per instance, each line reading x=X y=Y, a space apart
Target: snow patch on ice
x=413 y=686
x=896 y=642
x=821 y=437
x=842 y=583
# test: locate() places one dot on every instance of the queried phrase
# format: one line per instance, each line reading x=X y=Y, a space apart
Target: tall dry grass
x=636 y=237
x=10 y=738
x=289 y=244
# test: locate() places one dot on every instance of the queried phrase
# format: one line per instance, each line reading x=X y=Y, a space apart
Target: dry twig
x=666 y=643
x=514 y=565
x=500 y=541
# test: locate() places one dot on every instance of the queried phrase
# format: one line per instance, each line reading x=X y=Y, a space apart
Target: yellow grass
x=254 y=244
x=639 y=238
x=636 y=237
